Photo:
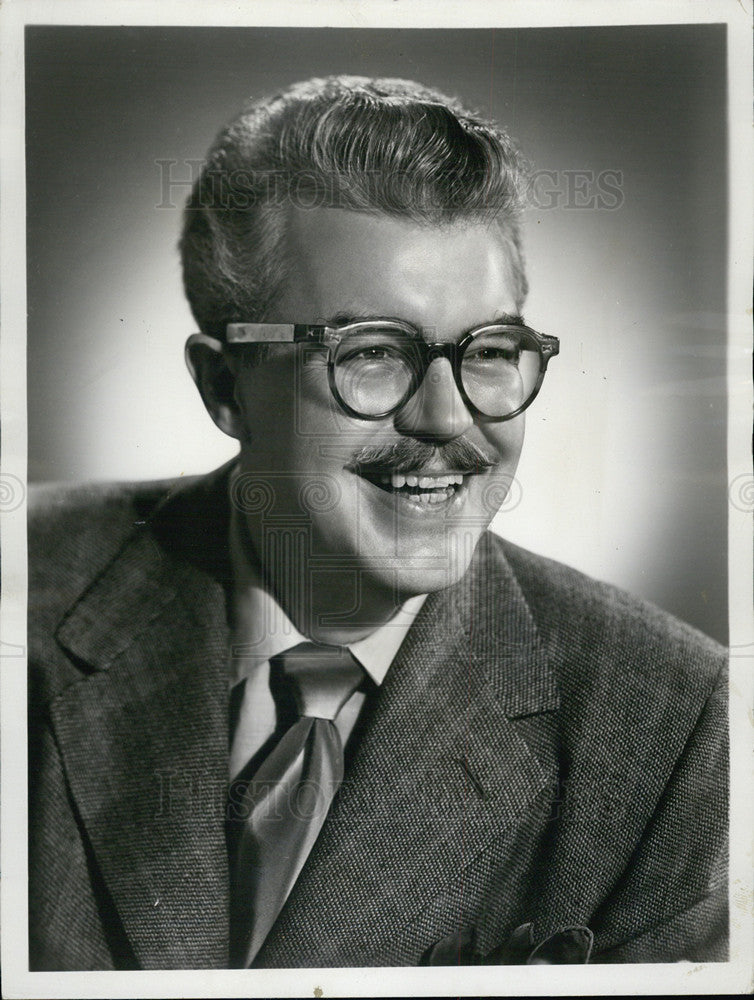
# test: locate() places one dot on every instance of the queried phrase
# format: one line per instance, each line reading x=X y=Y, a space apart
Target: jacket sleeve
x=671 y=904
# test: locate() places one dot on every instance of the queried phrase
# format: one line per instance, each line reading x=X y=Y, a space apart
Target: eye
x=376 y=353
x=496 y=353
x=373 y=353
x=506 y=352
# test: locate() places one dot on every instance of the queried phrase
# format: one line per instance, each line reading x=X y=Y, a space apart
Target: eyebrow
x=345 y=319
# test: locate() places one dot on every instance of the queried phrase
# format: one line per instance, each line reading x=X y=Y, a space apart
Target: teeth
x=429 y=499
x=423 y=482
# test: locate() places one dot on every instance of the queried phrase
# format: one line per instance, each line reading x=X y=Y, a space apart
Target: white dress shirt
x=260 y=629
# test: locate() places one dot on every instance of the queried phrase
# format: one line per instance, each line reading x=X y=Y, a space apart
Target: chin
x=420 y=574
x=428 y=582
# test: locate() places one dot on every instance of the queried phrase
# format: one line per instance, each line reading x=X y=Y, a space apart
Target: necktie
x=286 y=802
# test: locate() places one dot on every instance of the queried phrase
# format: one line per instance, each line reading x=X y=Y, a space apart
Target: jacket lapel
x=144 y=737
x=442 y=767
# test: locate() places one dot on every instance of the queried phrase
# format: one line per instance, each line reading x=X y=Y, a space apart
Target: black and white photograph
x=376 y=499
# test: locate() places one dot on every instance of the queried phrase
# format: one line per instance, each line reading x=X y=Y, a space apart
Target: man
x=307 y=711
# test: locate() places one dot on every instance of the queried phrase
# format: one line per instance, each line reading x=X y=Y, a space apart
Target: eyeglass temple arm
x=277 y=333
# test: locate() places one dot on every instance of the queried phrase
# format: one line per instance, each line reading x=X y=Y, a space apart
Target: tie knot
x=322 y=678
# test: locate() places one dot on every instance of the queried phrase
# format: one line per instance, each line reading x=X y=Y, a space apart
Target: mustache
x=411 y=455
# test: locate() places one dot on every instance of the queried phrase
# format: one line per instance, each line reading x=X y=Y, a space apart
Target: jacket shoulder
x=74 y=532
x=593 y=626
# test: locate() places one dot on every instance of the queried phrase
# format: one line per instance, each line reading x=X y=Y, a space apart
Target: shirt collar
x=262 y=629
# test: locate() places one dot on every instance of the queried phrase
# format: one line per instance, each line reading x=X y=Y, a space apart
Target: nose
x=436 y=411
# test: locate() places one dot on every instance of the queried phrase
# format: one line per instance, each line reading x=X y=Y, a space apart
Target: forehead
x=447 y=278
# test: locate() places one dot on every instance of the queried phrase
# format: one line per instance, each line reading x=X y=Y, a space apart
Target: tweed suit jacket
x=545 y=752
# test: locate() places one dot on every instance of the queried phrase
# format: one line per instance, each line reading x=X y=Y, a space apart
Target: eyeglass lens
x=375 y=370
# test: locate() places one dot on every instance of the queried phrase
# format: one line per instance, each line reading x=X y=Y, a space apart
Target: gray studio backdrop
x=623 y=473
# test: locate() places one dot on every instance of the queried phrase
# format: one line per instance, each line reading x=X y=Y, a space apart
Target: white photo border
x=734 y=976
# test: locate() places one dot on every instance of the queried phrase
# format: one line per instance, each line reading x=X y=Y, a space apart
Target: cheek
x=318 y=410
x=302 y=439
x=507 y=439
x=285 y=402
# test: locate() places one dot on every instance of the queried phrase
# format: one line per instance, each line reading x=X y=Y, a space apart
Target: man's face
x=302 y=453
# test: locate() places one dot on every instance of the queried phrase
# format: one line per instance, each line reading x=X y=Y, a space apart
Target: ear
x=216 y=379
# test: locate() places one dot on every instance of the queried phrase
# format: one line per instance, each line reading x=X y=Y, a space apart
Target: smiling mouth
x=424 y=488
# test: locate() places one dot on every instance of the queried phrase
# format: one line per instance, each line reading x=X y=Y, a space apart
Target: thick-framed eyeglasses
x=376 y=366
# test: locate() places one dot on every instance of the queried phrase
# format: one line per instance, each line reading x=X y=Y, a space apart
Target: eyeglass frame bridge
x=238 y=334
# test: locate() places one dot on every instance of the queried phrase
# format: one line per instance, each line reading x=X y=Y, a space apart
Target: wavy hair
x=379 y=146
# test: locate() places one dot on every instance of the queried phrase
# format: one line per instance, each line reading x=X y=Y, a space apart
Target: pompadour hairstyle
x=379 y=146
